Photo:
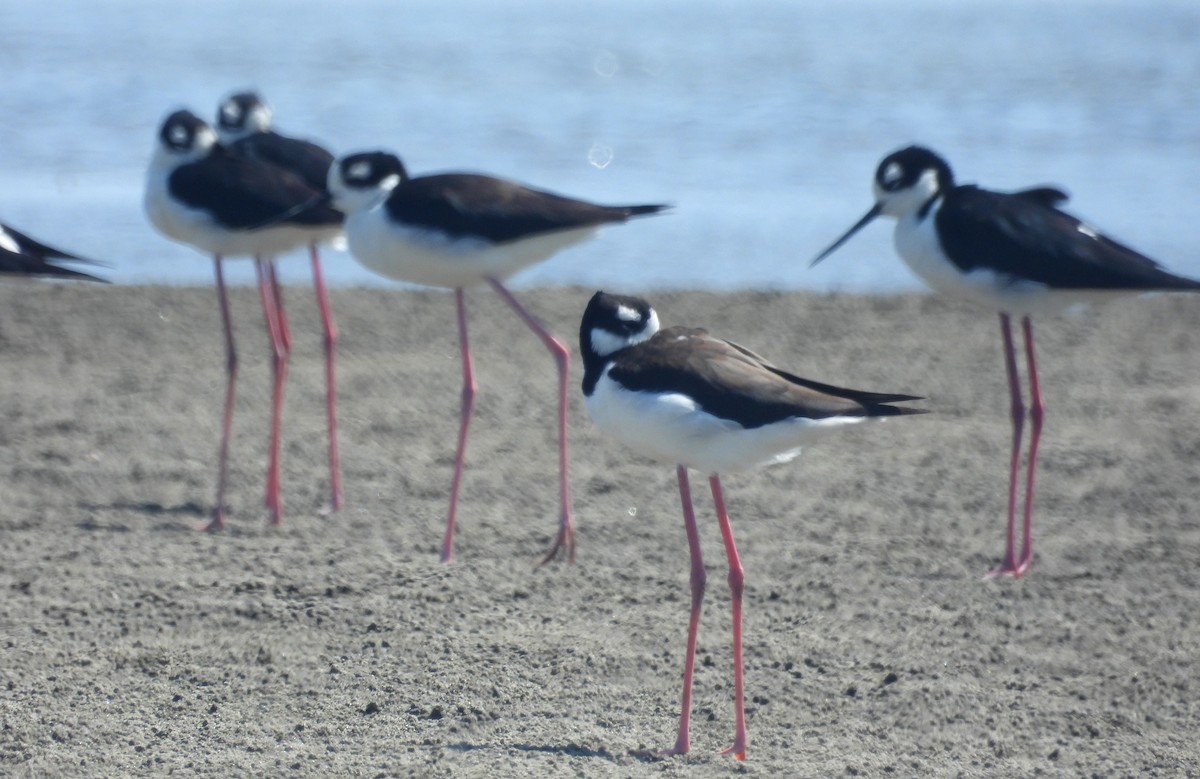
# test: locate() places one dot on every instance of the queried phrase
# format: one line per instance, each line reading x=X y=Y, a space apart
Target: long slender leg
x=280 y=369
x=468 y=404
x=266 y=299
x=698 y=577
x=271 y=295
x=737 y=578
x=1036 y=413
x=562 y=358
x=231 y=365
x=1009 y=565
x=331 y=337
x=285 y=332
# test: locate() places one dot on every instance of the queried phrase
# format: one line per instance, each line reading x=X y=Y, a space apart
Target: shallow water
x=762 y=121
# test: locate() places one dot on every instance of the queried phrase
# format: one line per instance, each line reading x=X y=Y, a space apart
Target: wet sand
x=339 y=646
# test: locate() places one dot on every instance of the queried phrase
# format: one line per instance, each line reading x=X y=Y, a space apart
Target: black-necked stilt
x=244 y=126
x=682 y=396
x=458 y=230
x=1013 y=252
x=21 y=255
x=200 y=194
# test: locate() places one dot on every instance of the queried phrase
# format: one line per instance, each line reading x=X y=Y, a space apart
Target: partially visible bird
x=244 y=125
x=1015 y=253
x=683 y=396
x=199 y=193
x=459 y=230
x=21 y=255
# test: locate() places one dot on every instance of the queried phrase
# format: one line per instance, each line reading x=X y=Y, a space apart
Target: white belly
x=423 y=257
x=671 y=428
x=197 y=228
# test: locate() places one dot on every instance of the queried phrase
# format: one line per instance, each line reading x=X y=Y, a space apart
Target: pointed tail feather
x=631 y=211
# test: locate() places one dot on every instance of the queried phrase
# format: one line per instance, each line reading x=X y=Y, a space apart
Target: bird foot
x=275 y=506
x=681 y=747
x=1014 y=568
x=564 y=539
x=738 y=750
x=215 y=524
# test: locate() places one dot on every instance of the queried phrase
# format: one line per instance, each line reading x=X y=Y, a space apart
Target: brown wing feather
x=732 y=382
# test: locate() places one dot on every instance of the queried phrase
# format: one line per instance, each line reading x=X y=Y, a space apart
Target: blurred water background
x=762 y=120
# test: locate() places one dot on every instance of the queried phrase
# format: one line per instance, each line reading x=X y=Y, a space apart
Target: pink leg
x=231 y=364
x=272 y=298
x=285 y=332
x=737 y=579
x=1010 y=566
x=562 y=358
x=1036 y=413
x=280 y=371
x=331 y=336
x=468 y=404
x=683 y=740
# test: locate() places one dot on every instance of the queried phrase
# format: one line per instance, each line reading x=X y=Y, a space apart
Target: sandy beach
x=337 y=645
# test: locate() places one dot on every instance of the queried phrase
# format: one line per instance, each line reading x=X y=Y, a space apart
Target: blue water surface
x=761 y=120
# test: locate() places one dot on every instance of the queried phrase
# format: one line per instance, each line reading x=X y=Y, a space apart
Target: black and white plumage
x=199 y=193
x=1016 y=253
x=683 y=396
x=22 y=256
x=244 y=126
x=459 y=230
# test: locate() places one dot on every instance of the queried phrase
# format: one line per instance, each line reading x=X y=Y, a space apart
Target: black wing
x=732 y=383
x=1024 y=235
x=34 y=248
x=466 y=205
x=303 y=158
x=244 y=194
x=14 y=264
x=1047 y=196
x=858 y=396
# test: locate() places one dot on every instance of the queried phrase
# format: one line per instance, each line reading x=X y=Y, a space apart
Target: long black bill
x=875 y=211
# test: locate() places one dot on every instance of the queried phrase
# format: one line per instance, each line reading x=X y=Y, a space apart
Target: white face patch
x=605 y=343
x=927 y=184
x=259 y=118
x=390 y=183
x=359 y=171
x=892 y=173
x=904 y=201
x=651 y=327
x=206 y=138
x=627 y=314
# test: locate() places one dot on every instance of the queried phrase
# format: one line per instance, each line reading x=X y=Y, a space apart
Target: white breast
x=917 y=243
